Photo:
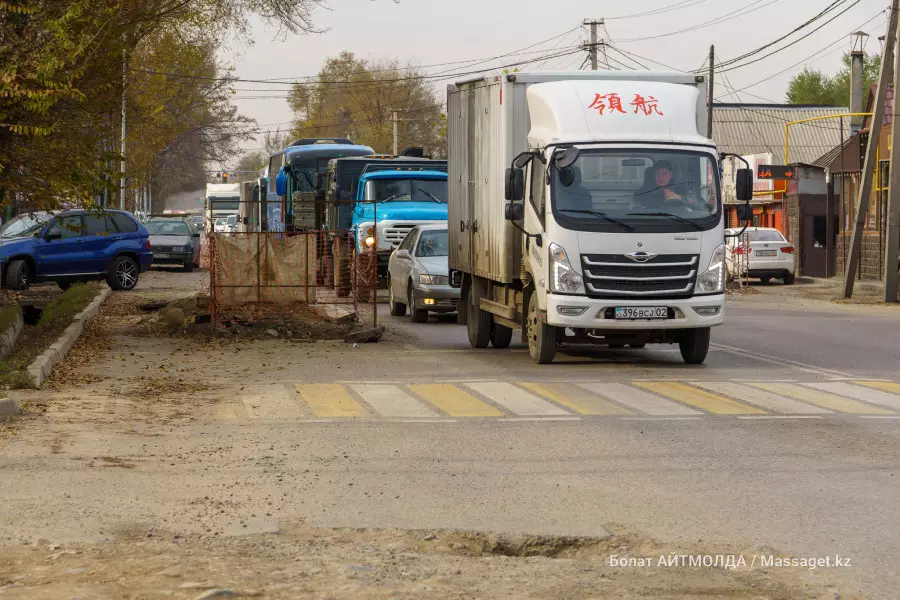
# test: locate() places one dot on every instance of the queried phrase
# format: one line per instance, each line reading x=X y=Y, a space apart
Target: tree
x=249 y=166
x=815 y=87
x=353 y=97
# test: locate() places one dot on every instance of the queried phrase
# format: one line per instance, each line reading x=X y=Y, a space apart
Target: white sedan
x=418 y=275
x=767 y=256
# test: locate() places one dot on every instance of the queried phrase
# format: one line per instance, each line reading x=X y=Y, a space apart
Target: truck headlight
x=425 y=279
x=370 y=241
x=712 y=281
x=366 y=232
x=563 y=278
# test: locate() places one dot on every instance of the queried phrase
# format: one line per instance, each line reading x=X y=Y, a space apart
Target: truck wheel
x=501 y=336
x=417 y=315
x=694 y=345
x=478 y=322
x=541 y=337
x=398 y=309
x=789 y=279
x=18 y=275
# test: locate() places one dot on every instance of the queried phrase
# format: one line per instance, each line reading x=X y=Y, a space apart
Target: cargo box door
x=459 y=209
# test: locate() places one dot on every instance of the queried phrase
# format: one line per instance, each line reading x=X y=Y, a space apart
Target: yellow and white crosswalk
x=534 y=401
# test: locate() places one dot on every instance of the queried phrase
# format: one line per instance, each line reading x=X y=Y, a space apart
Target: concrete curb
x=9 y=337
x=43 y=365
x=8 y=407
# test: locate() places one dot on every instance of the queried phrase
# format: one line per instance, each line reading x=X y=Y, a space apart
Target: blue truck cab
x=390 y=203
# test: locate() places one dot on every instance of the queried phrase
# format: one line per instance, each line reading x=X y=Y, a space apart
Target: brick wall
x=871 y=267
x=792 y=229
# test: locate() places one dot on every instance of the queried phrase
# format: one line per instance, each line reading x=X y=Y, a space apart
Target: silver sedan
x=418 y=275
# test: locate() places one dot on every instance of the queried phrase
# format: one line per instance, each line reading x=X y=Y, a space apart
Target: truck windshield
x=636 y=190
x=407 y=190
x=225 y=203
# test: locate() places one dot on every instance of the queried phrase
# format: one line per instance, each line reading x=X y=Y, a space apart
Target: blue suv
x=77 y=245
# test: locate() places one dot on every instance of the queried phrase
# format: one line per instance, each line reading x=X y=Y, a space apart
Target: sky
x=428 y=32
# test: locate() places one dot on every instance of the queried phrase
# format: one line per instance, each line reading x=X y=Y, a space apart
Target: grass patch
x=8 y=316
x=34 y=340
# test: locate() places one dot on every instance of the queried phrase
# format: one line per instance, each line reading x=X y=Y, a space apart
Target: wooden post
x=865 y=189
x=892 y=239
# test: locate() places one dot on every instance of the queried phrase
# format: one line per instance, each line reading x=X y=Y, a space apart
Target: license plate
x=158 y=255
x=643 y=312
x=767 y=253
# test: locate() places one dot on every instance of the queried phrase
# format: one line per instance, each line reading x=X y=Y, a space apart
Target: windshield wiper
x=602 y=215
x=671 y=216
x=433 y=197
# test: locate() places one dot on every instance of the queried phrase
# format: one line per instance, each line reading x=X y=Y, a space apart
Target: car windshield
x=407 y=190
x=24 y=225
x=642 y=191
x=433 y=243
x=765 y=235
x=168 y=227
x=231 y=220
x=220 y=221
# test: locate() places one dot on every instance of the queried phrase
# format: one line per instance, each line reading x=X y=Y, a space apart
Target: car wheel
x=188 y=266
x=18 y=275
x=417 y=315
x=501 y=336
x=765 y=279
x=123 y=274
x=694 y=345
x=398 y=309
x=541 y=337
x=789 y=279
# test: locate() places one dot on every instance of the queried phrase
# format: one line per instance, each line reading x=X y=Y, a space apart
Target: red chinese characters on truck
x=612 y=103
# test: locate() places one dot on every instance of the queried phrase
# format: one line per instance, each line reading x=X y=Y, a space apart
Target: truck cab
x=390 y=203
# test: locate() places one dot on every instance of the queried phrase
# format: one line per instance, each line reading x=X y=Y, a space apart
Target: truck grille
x=396 y=233
x=617 y=276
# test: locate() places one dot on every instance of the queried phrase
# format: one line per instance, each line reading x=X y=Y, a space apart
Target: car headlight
x=563 y=278
x=712 y=281
x=434 y=279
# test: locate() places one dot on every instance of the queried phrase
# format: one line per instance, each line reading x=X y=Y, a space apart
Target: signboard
x=780 y=172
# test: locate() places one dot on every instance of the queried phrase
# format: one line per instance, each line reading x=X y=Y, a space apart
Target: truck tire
x=123 y=274
x=398 y=309
x=18 y=275
x=541 y=337
x=501 y=336
x=478 y=322
x=694 y=345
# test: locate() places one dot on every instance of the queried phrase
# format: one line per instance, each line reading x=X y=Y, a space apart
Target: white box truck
x=585 y=208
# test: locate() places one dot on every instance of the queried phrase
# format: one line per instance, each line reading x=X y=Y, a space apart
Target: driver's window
x=66 y=227
x=536 y=196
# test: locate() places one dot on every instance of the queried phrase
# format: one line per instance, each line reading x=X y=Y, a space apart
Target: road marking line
x=700 y=399
x=516 y=400
x=536 y=419
x=870 y=417
x=661 y=419
x=391 y=401
x=861 y=393
x=775 y=360
x=885 y=386
x=416 y=421
x=454 y=401
x=761 y=397
x=575 y=398
x=762 y=417
x=639 y=400
x=330 y=400
x=820 y=398
x=272 y=402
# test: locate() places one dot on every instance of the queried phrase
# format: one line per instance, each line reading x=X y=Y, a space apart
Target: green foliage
x=816 y=87
x=69 y=303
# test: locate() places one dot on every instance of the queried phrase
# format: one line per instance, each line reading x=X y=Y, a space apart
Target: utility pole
x=395 y=118
x=865 y=189
x=712 y=73
x=592 y=47
x=124 y=98
x=892 y=239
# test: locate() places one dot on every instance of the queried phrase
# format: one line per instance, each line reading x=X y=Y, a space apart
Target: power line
x=614 y=49
x=659 y=11
x=716 y=21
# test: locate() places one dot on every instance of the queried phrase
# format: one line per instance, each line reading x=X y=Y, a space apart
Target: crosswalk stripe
x=761 y=397
x=517 y=400
x=391 y=401
x=639 y=400
x=330 y=400
x=454 y=401
x=820 y=398
x=699 y=398
x=272 y=402
x=887 y=386
x=864 y=394
x=576 y=399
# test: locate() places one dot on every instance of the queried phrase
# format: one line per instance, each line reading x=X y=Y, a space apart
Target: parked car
x=17 y=225
x=77 y=245
x=418 y=275
x=220 y=225
x=769 y=255
x=174 y=241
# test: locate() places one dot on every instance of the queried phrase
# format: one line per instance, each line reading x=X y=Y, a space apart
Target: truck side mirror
x=743 y=185
x=515 y=211
x=515 y=184
x=744 y=212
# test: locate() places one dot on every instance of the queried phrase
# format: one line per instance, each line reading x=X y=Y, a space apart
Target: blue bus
x=295 y=189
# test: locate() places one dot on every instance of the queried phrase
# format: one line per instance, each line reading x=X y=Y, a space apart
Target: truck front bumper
x=598 y=314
